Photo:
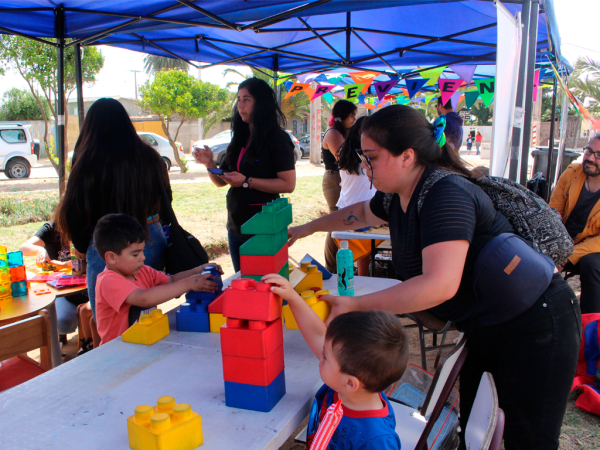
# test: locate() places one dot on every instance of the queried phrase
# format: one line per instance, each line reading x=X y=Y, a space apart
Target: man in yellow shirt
x=577 y=199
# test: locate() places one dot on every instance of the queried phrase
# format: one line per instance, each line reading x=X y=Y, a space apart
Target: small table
x=89 y=398
x=373 y=234
x=19 y=308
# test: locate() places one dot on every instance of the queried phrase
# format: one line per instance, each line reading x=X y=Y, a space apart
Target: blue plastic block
x=194 y=297
x=326 y=273
x=193 y=317
x=15 y=259
x=19 y=288
x=255 y=398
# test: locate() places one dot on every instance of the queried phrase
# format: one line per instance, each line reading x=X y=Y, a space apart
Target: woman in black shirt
x=259 y=163
x=530 y=347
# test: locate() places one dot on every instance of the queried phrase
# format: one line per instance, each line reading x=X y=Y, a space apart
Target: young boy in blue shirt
x=361 y=353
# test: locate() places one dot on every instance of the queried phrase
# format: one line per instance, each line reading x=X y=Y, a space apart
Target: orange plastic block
x=166 y=426
x=263 y=264
x=250 y=300
x=259 y=372
x=251 y=339
x=41 y=291
x=18 y=274
x=151 y=328
x=216 y=321
x=312 y=281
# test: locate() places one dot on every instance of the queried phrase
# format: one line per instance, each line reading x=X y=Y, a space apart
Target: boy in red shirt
x=127 y=282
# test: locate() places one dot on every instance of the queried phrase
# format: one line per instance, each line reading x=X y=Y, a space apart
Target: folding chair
x=428 y=323
x=485 y=426
x=18 y=338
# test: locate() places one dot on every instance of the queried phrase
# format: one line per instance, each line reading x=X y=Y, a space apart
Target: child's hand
x=281 y=286
x=203 y=267
x=202 y=283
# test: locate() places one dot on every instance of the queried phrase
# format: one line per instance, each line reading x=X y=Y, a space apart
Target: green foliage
x=585 y=83
x=20 y=104
x=483 y=113
x=20 y=209
x=153 y=64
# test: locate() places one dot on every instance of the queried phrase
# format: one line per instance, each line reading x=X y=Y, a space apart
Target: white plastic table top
x=86 y=401
x=360 y=235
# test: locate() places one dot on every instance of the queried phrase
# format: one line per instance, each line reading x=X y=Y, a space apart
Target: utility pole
x=135 y=72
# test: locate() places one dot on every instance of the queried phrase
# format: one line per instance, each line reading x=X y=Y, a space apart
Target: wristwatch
x=245 y=184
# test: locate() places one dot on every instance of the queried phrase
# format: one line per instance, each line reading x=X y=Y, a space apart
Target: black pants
x=588 y=269
x=533 y=359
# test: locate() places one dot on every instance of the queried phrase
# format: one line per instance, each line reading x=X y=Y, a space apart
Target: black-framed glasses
x=364 y=158
x=588 y=151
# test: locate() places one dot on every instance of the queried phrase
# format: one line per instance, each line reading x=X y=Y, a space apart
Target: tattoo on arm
x=350 y=219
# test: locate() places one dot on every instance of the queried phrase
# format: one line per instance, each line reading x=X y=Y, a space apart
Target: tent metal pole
x=436 y=39
x=143 y=39
x=549 y=174
x=281 y=16
x=348 y=34
x=59 y=24
x=374 y=52
x=16 y=33
x=275 y=78
x=516 y=131
x=79 y=85
x=214 y=17
x=527 y=111
x=320 y=37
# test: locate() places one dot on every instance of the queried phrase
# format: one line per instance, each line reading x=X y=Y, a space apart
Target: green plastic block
x=264 y=244
x=284 y=272
x=274 y=218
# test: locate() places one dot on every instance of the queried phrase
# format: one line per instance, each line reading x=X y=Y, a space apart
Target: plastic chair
x=16 y=339
x=485 y=426
x=428 y=323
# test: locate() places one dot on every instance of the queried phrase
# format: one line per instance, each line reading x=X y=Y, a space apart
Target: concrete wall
x=575 y=138
x=486 y=132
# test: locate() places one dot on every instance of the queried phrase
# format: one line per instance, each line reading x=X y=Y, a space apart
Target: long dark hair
x=114 y=171
x=266 y=117
x=399 y=127
x=341 y=110
x=348 y=160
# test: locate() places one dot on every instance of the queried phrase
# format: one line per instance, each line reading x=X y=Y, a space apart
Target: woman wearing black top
x=259 y=163
x=114 y=171
x=530 y=346
x=343 y=116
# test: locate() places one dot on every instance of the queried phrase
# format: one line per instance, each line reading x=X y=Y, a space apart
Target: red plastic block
x=216 y=306
x=263 y=264
x=17 y=274
x=250 y=300
x=259 y=372
x=252 y=339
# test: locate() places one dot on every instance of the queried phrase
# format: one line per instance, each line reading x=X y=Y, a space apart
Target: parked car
x=162 y=146
x=17 y=154
x=305 y=144
x=219 y=143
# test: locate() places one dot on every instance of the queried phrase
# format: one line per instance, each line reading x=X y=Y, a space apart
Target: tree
x=37 y=63
x=176 y=94
x=20 y=104
x=585 y=83
x=153 y=64
x=483 y=113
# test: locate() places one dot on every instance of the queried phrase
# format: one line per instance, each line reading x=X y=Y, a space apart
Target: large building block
x=151 y=328
x=251 y=339
x=250 y=300
x=264 y=244
x=288 y=317
x=18 y=274
x=320 y=307
x=166 y=426
x=312 y=281
x=216 y=321
x=216 y=307
x=260 y=372
x=255 y=398
x=3 y=260
x=5 y=291
x=326 y=273
x=284 y=272
x=5 y=275
x=193 y=317
x=275 y=217
x=263 y=264
x=15 y=259
x=19 y=288
x=217 y=276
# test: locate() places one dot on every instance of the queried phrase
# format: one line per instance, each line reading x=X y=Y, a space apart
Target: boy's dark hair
x=371 y=346
x=116 y=232
x=447 y=105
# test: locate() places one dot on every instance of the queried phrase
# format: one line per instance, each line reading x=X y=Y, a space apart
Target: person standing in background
x=478 y=139
x=454 y=124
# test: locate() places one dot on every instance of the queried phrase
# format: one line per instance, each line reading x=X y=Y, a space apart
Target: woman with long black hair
x=114 y=171
x=259 y=163
x=453 y=251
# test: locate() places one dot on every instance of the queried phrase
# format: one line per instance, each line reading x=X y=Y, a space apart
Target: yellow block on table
x=216 y=322
x=312 y=281
x=151 y=328
x=320 y=307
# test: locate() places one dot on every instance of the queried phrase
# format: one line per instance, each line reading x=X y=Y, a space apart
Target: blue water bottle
x=345 y=270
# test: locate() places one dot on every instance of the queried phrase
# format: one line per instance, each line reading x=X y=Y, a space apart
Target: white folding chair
x=486 y=423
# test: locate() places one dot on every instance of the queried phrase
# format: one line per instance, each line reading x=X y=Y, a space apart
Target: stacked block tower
x=252 y=338
x=13 y=277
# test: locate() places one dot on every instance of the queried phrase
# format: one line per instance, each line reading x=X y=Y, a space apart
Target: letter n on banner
x=486 y=88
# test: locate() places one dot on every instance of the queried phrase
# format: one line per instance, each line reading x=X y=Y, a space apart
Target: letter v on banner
x=448 y=86
x=414 y=86
x=295 y=89
x=383 y=87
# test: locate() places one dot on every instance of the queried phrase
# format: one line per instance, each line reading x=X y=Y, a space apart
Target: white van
x=16 y=150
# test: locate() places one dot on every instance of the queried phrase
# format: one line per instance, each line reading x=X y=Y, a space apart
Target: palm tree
x=585 y=82
x=153 y=64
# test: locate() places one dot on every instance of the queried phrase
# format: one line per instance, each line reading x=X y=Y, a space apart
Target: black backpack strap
x=434 y=177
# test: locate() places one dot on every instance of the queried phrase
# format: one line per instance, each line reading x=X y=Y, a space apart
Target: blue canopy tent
x=396 y=37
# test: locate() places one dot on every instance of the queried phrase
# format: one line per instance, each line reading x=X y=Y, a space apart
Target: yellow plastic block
x=320 y=307
x=313 y=279
x=290 y=321
x=216 y=322
x=166 y=426
x=151 y=328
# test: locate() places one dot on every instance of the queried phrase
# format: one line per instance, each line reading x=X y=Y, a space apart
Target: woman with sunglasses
x=530 y=345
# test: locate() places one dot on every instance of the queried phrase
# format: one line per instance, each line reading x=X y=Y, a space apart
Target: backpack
x=531 y=217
